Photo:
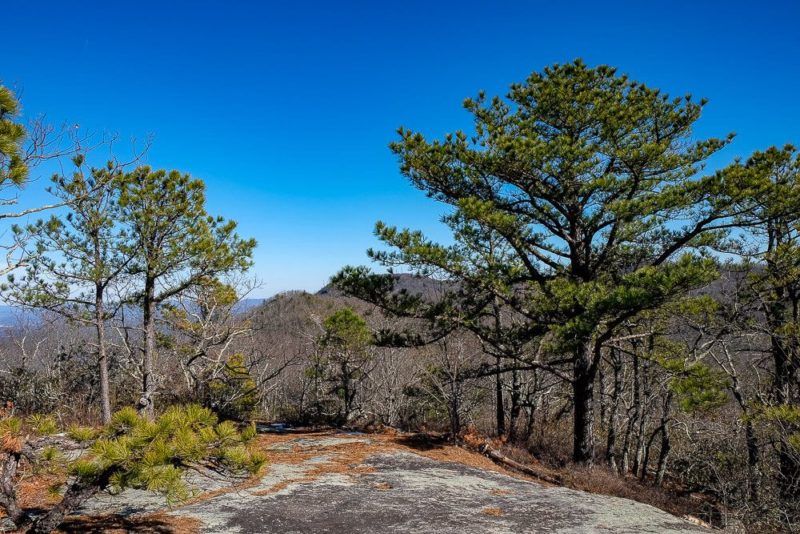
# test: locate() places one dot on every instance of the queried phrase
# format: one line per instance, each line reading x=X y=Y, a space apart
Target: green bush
x=233 y=394
x=135 y=452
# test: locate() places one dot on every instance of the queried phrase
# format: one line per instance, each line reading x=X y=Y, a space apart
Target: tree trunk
x=784 y=356
x=77 y=493
x=646 y=393
x=500 y=412
x=789 y=478
x=502 y=459
x=781 y=353
x=632 y=419
x=346 y=390
x=751 y=442
x=583 y=417
x=515 y=406
x=639 y=414
x=8 y=488
x=146 y=403
x=455 y=417
x=531 y=403
x=661 y=469
x=102 y=355
x=646 y=454
x=601 y=384
x=611 y=443
x=752 y=461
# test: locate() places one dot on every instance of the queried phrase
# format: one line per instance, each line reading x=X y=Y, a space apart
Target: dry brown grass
x=492 y=511
x=34 y=490
x=602 y=480
x=10 y=443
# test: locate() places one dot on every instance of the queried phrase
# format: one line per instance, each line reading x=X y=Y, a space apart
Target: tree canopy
x=595 y=187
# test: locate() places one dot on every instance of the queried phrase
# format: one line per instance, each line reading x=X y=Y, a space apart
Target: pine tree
x=205 y=325
x=771 y=246
x=78 y=258
x=345 y=349
x=595 y=182
x=177 y=246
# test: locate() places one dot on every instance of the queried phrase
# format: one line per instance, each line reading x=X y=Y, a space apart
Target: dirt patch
x=492 y=511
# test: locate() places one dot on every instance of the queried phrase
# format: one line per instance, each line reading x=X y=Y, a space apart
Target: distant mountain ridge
x=13 y=316
x=248 y=304
x=414 y=284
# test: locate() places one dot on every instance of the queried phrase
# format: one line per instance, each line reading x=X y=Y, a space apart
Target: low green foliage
x=153 y=455
x=698 y=387
x=82 y=433
x=10 y=426
x=782 y=414
x=43 y=424
x=50 y=454
x=782 y=418
x=135 y=452
x=341 y=362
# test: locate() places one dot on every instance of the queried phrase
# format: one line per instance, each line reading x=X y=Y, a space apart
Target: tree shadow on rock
x=423 y=441
x=117 y=524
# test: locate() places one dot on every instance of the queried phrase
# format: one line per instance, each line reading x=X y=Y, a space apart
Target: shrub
x=233 y=394
x=132 y=451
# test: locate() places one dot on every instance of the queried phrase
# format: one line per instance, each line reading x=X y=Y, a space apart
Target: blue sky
x=286 y=109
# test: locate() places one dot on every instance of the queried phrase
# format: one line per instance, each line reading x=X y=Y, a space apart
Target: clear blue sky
x=285 y=109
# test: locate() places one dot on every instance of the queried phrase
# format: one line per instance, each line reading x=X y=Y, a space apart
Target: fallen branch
x=500 y=458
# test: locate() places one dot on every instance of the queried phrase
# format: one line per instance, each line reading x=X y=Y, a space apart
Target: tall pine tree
x=177 y=246
x=78 y=257
x=595 y=182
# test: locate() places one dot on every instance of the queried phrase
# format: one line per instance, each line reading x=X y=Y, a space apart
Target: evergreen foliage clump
x=132 y=451
x=342 y=360
x=13 y=169
x=234 y=392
